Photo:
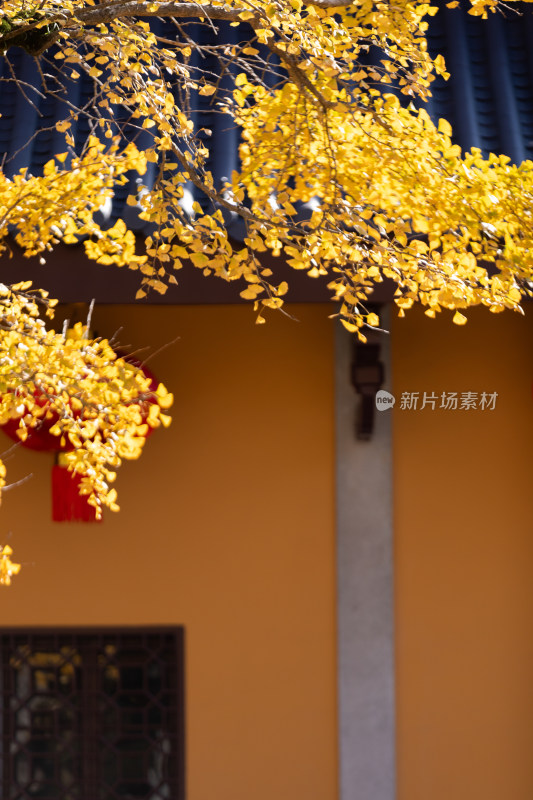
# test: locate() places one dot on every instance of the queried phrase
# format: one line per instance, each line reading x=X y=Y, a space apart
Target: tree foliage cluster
x=328 y=97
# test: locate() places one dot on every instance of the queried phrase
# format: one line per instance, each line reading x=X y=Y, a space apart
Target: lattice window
x=92 y=715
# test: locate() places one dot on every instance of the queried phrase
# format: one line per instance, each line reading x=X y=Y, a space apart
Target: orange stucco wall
x=226 y=527
x=464 y=561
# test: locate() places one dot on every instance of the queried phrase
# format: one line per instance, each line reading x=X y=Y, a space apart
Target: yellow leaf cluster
x=342 y=173
x=97 y=404
x=390 y=196
x=7 y=567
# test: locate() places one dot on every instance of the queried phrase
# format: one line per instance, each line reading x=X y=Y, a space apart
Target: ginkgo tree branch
x=124 y=9
x=392 y=196
x=346 y=107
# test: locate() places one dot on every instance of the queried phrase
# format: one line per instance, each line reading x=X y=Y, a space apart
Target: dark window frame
x=87 y=640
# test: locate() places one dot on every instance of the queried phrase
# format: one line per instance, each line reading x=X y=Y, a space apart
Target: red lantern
x=67 y=503
x=39 y=438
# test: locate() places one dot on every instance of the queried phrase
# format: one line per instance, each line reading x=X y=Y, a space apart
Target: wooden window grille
x=92 y=715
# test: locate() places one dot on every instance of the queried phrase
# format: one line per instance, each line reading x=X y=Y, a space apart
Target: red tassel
x=68 y=505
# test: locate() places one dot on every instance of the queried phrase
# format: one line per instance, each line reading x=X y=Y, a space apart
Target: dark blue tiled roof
x=28 y=137
x=488 y=98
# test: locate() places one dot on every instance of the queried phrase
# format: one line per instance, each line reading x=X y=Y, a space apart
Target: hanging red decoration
x=39 y=438
x=67 y=503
